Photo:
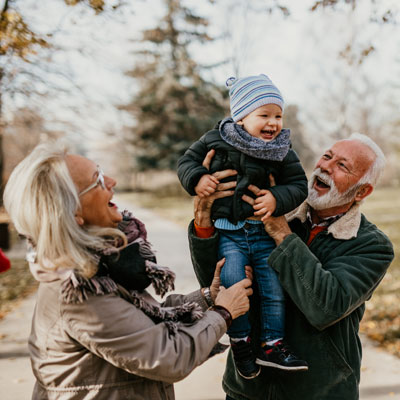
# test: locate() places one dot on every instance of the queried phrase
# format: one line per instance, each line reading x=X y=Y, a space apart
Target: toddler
x=253 y=143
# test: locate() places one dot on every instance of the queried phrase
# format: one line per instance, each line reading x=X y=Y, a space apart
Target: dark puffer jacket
x=291 y=181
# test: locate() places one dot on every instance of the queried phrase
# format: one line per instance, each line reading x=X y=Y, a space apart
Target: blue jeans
x=252 y=246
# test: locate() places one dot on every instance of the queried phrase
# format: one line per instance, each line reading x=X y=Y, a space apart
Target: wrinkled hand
x=202 y=205
x=236 y=298
x=216 y=282
x=249 y=272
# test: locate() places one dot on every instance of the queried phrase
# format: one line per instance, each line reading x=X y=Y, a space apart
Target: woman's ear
x=79 y=219
x=240 y=122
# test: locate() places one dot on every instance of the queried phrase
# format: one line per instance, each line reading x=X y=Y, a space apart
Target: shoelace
x=283 y=347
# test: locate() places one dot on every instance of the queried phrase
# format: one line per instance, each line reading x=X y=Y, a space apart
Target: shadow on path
x=13 y=354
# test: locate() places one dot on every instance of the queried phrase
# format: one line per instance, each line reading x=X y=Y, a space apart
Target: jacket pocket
x=334 y=368
x=328 y=374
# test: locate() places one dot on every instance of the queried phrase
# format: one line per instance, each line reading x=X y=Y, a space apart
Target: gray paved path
x=380 y=371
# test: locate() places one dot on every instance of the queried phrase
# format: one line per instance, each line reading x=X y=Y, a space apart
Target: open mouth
x=268 y=134
x=111 y=204
x=320 y=183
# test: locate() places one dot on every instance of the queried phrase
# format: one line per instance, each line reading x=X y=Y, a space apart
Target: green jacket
x=327 y=285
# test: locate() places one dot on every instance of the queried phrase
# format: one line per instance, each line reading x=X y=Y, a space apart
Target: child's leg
x=234 y=248
x=272 y=300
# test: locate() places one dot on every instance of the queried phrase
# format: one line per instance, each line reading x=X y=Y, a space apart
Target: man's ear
x=364 y=191
x=240 y=122
x=79 y=219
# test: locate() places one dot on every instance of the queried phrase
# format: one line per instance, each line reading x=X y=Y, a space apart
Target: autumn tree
x=174 y=104
x=21 y=45
x=25 y=130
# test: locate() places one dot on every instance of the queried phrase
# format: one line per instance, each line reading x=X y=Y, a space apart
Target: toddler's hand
x=265 y=205
x=207 y=185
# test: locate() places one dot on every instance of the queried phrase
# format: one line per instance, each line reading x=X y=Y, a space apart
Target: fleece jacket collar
x=345 y=228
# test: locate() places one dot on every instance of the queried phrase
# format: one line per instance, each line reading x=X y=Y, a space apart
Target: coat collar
x=345 y=228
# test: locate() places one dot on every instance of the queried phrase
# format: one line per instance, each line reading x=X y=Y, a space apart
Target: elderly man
x=329 y=259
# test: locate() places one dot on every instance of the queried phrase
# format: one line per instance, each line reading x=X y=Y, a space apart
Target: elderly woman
x=96 y=333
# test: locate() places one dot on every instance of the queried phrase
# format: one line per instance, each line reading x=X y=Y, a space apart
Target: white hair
x=42 y=200
x=376 y=169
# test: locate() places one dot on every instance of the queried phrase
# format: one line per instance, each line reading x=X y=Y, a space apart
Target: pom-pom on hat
x=247 y=94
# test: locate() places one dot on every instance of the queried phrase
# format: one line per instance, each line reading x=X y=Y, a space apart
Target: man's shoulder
x=369 y=229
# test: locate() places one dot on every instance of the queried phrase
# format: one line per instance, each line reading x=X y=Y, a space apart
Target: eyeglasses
x=99 y=180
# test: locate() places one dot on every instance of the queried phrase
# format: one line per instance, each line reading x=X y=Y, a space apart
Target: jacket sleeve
x=190 y=168
x=204 y=255
x=291 y=189
x=327 y=293
x=176 y=299
x=115 y=330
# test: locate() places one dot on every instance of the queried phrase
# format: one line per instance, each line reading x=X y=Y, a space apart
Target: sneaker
x=245 y=359
x=280 y=356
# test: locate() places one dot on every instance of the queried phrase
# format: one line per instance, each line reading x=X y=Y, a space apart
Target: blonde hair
x=42 y=200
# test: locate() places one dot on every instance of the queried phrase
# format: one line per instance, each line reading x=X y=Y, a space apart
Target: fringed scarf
x=134 y=268
x=240 y=139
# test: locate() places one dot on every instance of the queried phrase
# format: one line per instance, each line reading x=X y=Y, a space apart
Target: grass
x=382 y=318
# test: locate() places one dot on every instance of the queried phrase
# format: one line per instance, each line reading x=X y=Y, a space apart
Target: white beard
x=331 y=199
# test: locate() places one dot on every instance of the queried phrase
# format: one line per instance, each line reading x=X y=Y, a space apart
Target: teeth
x=322 y=181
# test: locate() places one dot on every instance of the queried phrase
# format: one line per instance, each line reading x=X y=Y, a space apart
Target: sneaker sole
x=249 y=377
x=278 y=366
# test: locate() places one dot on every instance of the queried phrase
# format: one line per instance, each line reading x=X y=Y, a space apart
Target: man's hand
x=202 y=205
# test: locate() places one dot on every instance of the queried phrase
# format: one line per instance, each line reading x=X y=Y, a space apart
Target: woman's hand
x=216 y=282
x=202 y=206
x=236 y=298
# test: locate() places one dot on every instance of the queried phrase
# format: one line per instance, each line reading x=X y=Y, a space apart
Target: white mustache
x=324 y=177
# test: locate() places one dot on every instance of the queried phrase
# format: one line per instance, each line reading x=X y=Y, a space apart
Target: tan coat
x=106 y=348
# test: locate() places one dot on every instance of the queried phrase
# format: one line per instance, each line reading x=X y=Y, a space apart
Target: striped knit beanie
x=247 y=94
